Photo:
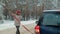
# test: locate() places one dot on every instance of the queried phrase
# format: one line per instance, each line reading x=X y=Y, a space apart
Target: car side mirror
x=58 y=24
x=36 y=22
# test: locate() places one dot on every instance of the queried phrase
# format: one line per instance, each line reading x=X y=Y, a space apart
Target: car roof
x=51 y=11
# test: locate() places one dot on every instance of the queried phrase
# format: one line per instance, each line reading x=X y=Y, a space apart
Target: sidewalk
x=22 y=30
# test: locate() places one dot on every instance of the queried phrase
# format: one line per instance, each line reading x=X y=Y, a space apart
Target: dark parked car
x=49 y=23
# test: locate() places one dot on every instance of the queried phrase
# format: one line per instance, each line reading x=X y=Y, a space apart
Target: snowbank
x=10 y=24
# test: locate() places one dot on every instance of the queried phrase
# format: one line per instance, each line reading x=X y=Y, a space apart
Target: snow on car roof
x=51 y=11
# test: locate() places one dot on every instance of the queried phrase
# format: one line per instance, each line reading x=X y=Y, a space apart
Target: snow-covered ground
x=10 y=24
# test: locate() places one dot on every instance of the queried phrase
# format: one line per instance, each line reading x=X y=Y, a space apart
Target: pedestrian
x=17 y=21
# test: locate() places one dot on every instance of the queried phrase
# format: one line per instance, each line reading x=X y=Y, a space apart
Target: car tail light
x=37 y=29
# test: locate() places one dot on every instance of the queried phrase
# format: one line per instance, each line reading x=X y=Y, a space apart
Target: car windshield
x=51 y=18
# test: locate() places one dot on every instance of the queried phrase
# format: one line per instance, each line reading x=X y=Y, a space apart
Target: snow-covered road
x=10 y=24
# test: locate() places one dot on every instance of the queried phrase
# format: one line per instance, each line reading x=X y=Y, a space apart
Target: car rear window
x=51 y=18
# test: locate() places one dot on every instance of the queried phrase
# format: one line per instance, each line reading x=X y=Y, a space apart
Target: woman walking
x=17 y=23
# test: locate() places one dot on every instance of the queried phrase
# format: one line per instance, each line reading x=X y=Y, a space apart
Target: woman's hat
x=18 y=12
